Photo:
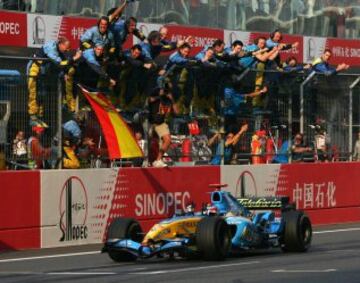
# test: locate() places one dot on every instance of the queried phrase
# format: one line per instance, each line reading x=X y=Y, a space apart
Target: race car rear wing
x=254 y=203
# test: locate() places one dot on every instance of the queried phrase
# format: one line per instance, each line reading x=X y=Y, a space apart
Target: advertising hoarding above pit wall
x=32 y=30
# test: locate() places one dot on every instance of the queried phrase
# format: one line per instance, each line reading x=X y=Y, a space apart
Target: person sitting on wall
x=321 y=65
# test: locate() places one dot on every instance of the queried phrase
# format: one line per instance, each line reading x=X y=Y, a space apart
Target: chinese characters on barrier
x=314 y=195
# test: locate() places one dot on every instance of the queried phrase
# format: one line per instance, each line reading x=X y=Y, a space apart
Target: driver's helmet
x=190 y=208
x=211 y=210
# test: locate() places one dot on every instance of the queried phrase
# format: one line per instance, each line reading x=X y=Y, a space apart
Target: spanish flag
x=119 y=138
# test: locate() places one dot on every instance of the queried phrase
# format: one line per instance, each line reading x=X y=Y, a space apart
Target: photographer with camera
x=161 y=105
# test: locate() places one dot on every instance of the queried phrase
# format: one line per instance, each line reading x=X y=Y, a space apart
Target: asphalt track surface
x=333 y=257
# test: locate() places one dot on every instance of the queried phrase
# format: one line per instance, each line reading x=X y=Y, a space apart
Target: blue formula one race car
x=225 y=226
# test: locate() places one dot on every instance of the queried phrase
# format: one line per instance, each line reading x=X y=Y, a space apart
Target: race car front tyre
x=297 y=233
x=213 y=238
x=124 y=228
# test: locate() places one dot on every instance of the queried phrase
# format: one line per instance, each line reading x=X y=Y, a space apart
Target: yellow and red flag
x=119 y=138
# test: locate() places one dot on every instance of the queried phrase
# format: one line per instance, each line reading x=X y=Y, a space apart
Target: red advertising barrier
x=344 y=51
x=20 y=210
x=328 y=192
x=13 y=29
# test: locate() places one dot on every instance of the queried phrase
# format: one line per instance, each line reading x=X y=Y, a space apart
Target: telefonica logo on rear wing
x=264 y=202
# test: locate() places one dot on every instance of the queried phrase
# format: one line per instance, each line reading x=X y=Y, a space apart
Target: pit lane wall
x=41 y=209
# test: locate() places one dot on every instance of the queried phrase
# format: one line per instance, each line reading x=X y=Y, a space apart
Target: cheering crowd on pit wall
x=207 y=83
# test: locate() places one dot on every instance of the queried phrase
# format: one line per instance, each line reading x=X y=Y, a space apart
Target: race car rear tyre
x=124 y=228
x=297 y=233
x=213 y=238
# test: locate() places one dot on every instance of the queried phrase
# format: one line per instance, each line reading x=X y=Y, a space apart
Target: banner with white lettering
x=13 y=29
x=202 y=37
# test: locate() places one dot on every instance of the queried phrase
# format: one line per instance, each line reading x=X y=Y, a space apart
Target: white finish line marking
x=49 y=256
x=81 y=273
x=303 y=271
x=336 y=231
x=192 y=268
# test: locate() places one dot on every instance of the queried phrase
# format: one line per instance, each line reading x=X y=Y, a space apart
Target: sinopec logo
x=39 y=30
x=73 y=210
x=246 y=185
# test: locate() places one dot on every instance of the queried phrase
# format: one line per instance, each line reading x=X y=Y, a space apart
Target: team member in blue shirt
x=178 y=63
x=91 y=68
x=99 y=34
x=59 y=61
x=321 y=65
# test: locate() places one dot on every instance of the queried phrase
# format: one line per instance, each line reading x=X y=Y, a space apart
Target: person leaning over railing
x=91 y=68
x=321 y=65
x=275 y=41
x=122 y=29
x=291 y=66
x=98 y=35
x=133 y=66
x=58 y=61
x=260 y=54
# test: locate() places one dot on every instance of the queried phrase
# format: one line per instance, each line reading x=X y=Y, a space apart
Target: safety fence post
x=302 y=87
x=59 y=123
x=351 y=87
